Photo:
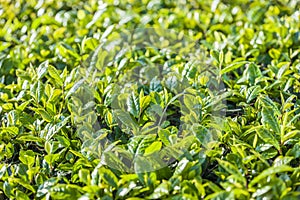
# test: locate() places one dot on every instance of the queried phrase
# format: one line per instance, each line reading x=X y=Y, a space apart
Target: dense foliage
x=227 y=126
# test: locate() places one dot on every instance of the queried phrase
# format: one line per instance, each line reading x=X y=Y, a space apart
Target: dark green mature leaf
x=252 y=93
x=7 y=189
x=164 y=135
x=133 y=103
x=172 y=83
x=268 y=137
x=42 y=69
x=111 y=159
x=30 y=138
x=155 y=85
x=126 y=120
x=109 y=177
x=270 y=171
x=23 y=183
x=252 y=73
x=45 y=115
x=269 y=119
x=267 y=102
x=233 y=170
x=21 y=195
x=55 y=75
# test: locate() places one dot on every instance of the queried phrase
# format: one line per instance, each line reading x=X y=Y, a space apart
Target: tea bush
x=150 y=124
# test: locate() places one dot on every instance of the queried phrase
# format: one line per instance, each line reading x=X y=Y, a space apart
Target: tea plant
x=83 y=116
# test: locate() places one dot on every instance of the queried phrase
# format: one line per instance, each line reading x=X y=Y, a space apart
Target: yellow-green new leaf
x=233 y=66
x=154 y=147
